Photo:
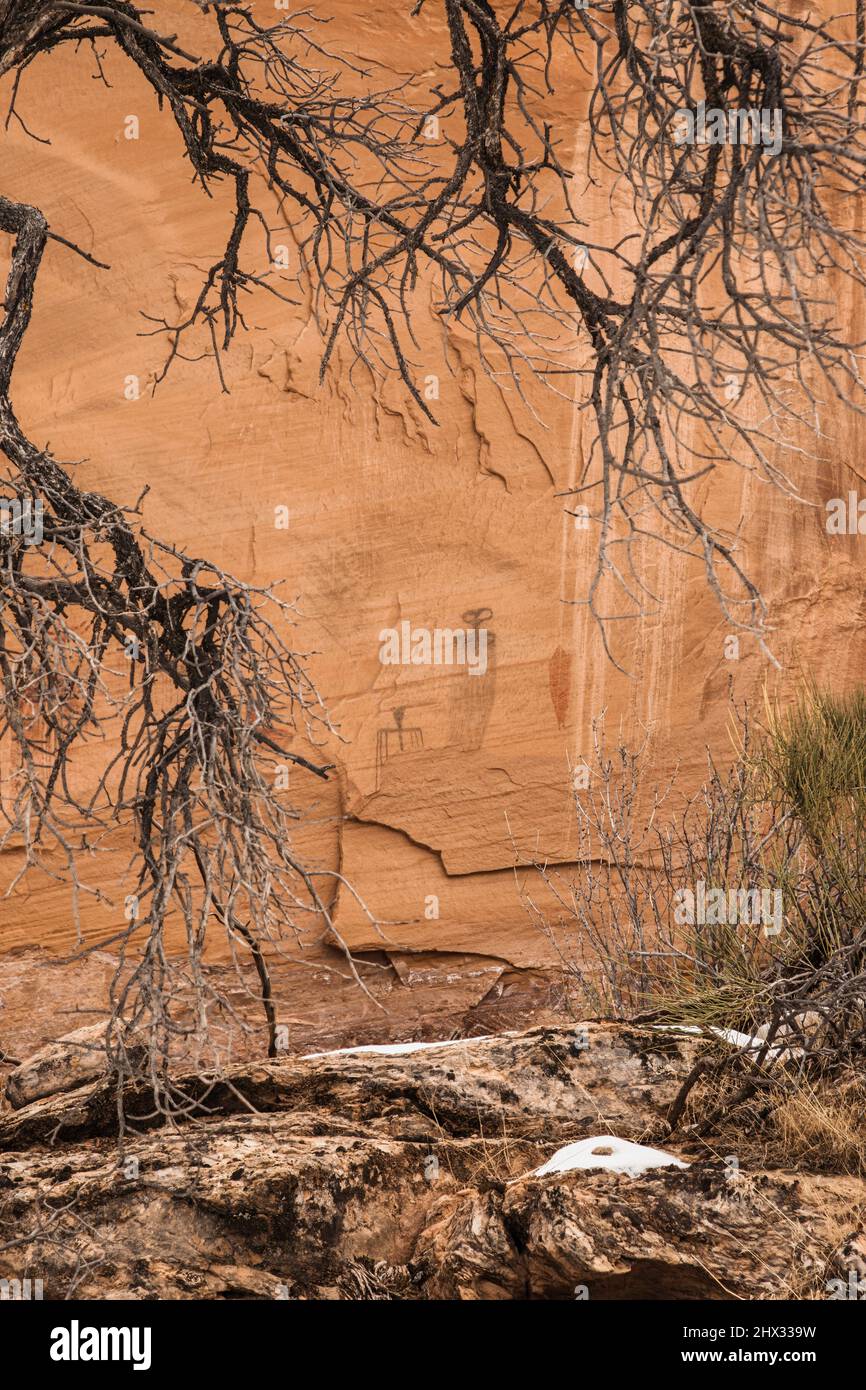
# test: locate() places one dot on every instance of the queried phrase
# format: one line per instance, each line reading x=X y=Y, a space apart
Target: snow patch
x=726 y=1034
x=606 y=1151
x=747 y=1042
x=396 y=1049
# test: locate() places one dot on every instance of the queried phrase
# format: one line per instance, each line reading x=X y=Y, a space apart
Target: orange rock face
x=447 y=777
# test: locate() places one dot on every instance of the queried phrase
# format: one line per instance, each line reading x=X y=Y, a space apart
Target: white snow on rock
x=745 y=1041
x=606 y=1151
x=726 y=1034
x=396 y=1049
x=730 y=1035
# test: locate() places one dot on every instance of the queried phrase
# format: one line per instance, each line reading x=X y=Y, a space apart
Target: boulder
x=70 y=1062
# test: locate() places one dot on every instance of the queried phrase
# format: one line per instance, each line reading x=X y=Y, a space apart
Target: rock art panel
x=444 y=779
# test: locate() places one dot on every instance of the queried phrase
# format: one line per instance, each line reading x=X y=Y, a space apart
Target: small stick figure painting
x=394 y=740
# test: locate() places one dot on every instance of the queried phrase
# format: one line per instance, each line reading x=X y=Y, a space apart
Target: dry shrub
x=823 y=1127
x=784 y=824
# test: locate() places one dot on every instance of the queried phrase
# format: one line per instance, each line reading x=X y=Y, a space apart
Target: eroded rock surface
x=407 y=1174
x=668 y=1234
x=64 y=1065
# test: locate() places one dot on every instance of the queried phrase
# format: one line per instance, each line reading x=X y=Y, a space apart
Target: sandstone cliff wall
x=444 y=781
